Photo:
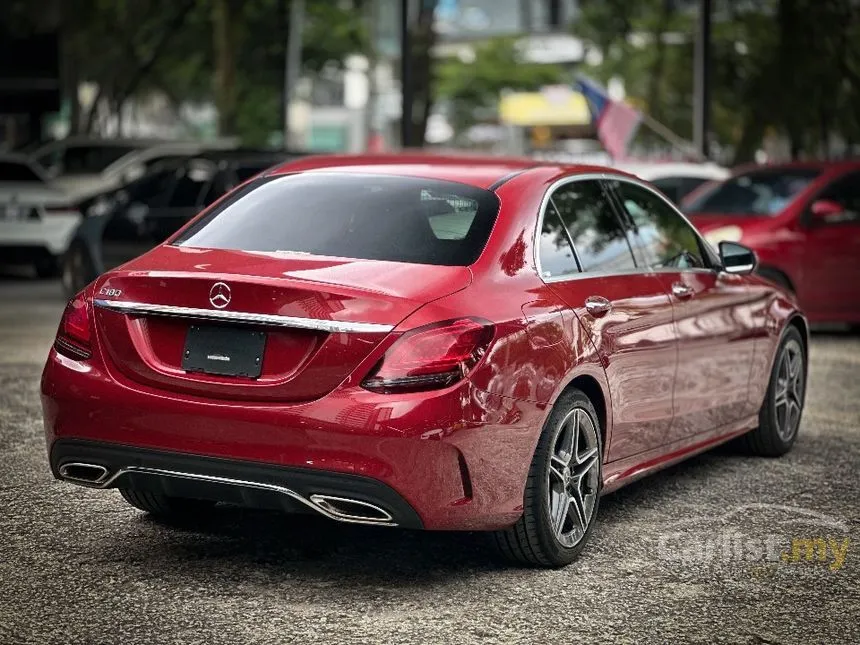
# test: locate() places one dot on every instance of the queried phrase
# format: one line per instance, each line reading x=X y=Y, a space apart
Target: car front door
x=586 y=258
x=717 y=316
x=830 y=287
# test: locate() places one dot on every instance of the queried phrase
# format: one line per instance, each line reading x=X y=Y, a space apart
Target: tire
x=533 y=540
x=45 y=267
x=777 y=277
x=777 y=432
x=77 y=271
x=164 y=506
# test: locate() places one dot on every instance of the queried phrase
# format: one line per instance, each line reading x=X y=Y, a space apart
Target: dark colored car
x=437 y=343
x=803 y=222
x=121 y=224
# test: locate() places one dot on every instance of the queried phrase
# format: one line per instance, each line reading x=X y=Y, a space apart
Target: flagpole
x=679 y=142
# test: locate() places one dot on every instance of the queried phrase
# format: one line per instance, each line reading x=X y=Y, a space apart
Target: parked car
x=676 y=179
x=36 y=219
x=124 y=223
x=83 y=167
x=803 y=221
x=437 y=343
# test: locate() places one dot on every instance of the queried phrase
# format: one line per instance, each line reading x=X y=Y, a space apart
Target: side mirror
x=737 y=258
x=827 y=210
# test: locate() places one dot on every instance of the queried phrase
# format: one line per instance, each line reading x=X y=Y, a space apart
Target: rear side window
x=371 y=217
x=599 y=240
x=556 y=255
x=12 y=171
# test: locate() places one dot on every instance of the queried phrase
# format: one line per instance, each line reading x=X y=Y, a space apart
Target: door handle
x=597 y=306
x=681 y=290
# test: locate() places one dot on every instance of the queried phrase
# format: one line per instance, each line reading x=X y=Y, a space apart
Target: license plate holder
x=224 y=351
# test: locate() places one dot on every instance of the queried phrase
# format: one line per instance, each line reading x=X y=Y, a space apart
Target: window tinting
x=556 y=256
x=11 y=171
x=373 y=217
x=759 y=192
x=598 y=238
x=668 y=240
x=846 y=192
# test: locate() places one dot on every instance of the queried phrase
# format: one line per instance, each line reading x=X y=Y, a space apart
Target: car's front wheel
x=779 y=418
x=164 y=506
x=563 y=488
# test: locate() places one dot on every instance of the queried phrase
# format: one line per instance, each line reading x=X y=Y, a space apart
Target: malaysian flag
x=615 y=121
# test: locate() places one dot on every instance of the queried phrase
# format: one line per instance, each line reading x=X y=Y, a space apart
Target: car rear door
x=716 y=321
x=586 y=258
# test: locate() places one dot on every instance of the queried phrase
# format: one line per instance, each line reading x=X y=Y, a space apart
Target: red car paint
x=819 y=260
x=669 y=378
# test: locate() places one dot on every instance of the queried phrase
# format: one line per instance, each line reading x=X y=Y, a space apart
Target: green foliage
x=476 y=86
x=784 y=66
x=130 y=48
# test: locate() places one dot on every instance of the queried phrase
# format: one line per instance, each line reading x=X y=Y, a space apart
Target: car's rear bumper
x=339 y=496
x=458 y=457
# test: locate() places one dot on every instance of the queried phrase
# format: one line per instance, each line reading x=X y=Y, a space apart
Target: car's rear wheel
x=779 y=418
x=164 y=506
x=563 y=488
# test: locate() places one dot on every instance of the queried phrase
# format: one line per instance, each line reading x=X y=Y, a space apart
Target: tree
x=788 y=66
x=475 y=87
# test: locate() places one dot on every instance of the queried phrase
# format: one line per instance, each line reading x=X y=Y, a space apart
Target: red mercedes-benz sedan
x=437 y=343
x=803 y=221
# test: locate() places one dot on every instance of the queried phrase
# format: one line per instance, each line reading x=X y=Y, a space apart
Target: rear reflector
x=75 y=332
x=431 y=357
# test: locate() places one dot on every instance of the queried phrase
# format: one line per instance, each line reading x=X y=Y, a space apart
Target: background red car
x=428 y=343
x=803 y=221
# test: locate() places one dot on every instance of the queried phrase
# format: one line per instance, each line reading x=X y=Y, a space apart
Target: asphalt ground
x=714 y=550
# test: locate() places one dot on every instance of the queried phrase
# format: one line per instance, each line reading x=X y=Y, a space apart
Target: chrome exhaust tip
x=79 y=473
x=351 y=510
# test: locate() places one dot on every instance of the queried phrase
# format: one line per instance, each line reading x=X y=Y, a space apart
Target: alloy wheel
x=788 y=399
x=573 y=477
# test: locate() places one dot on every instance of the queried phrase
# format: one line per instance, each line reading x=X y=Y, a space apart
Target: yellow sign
x=536 y=108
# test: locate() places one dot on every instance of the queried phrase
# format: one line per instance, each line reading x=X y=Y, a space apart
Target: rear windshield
x=760 y=192
x=13 y=171
x=85 y=159
x=370 y=217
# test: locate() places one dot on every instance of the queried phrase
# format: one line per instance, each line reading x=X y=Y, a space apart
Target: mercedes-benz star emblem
x=219 y=295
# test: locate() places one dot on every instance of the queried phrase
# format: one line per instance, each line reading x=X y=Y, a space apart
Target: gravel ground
x=692 y=554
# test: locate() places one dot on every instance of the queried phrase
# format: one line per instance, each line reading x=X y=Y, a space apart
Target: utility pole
x=702 y=80
x=293 y=66
x=406 y=88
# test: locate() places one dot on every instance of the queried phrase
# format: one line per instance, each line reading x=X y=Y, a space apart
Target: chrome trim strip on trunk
x=382 y=518
x=243 y=317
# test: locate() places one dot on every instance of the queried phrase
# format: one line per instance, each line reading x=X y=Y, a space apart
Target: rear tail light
x=75 y=332
x=61 y=210
x=431 y=357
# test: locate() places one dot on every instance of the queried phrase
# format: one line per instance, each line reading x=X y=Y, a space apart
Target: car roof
x=659 y=170
x=823 y=165
x=481 y=171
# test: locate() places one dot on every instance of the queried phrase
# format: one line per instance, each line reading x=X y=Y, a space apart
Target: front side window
x=758 y=192
x=677 y=188
x=667 y=239
x=599 y=240
x=363 y=216
x=845 y=191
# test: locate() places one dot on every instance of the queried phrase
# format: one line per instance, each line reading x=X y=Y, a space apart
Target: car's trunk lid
x=322 y=316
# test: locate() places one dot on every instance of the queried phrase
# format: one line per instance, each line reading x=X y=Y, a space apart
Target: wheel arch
x=589 y=385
